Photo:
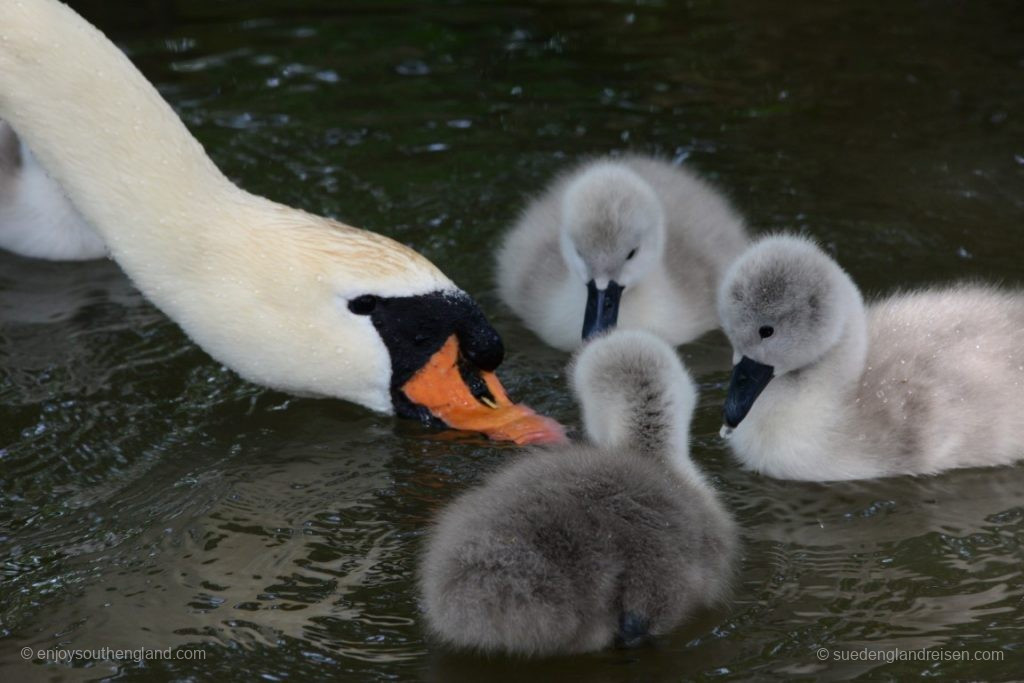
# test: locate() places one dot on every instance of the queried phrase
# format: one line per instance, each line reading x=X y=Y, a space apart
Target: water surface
x=151 y=498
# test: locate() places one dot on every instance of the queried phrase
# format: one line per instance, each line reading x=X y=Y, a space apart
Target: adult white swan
x=287 y=299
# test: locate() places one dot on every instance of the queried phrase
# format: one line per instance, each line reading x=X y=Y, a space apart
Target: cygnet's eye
x=363 y=305
x=766 y=331
x=631 y=254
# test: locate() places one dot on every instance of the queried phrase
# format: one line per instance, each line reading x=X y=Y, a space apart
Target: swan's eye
x=766 y=331
x=363 y=305
x=631 y=254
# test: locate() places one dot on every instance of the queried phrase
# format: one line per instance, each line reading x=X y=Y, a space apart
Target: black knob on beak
x=479 y=342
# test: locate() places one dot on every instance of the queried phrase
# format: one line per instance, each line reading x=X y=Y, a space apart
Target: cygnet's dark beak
x=602 y=310
x=749 y=378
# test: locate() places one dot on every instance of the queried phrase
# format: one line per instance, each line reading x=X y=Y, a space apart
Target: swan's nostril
x=766 y=331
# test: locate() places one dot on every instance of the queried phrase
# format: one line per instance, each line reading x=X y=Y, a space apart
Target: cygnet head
x=635 y=394
x=783 y=304
x=612 y=234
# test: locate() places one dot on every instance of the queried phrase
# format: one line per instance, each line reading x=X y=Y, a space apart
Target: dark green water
x=150 y=498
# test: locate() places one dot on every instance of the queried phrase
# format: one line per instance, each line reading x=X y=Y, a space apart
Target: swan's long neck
x=103 y=132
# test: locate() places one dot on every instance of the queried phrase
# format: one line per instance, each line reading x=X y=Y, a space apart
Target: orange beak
x=439 y=386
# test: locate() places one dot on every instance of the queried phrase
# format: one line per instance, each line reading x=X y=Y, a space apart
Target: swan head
x=612 y=234
x=314 y=307
x=783 y=304
x=443 y=353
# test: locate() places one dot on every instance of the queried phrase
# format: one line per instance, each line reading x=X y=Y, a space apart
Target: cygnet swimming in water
x=573 y=549
x=36 y=219
x=825 y=388
x=633 y=241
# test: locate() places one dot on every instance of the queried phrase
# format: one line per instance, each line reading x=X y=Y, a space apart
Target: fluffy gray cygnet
x=826 y=388
x=634 y=242
x=575 y=548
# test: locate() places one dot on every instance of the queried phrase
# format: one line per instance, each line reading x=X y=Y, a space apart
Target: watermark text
x=825 y=654
x=111 y=654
